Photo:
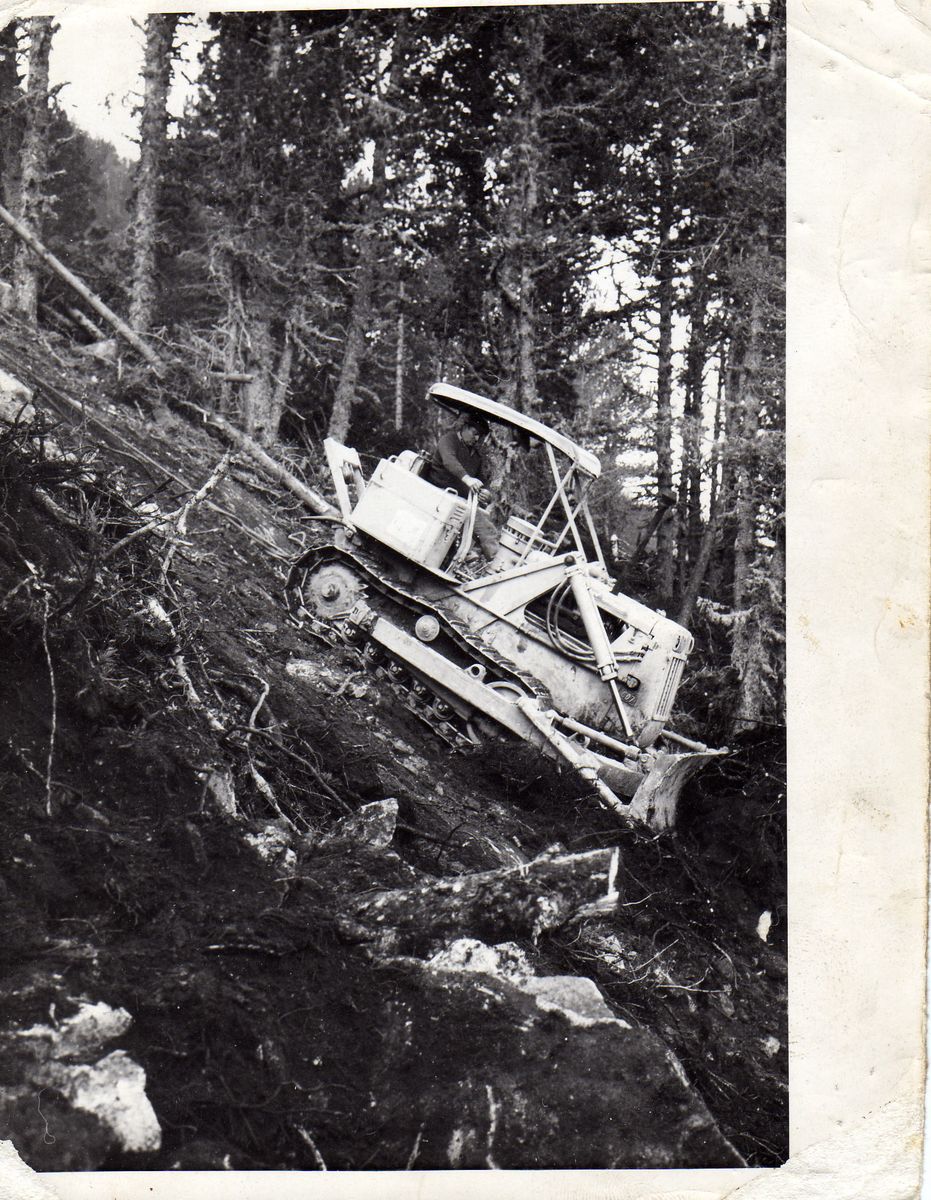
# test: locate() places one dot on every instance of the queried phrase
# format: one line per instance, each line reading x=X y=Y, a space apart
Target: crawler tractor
x=537 y=645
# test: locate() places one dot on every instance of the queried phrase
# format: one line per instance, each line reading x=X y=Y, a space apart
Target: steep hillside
x=235 y=864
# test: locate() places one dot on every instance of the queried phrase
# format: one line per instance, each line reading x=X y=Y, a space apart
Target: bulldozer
x=536 y=644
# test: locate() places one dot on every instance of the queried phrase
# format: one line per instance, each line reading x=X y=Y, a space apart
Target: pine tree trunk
x=722 y=567
x=697 y=354
x=705 y=548
x=527 y=388
x=160 y=31
x=663 y=437
x=258 y=393
x=748 y=657
x=689 y=507
x=759 y=574
x=370 y=246
x=399 y=362
x=516 y=273
x=228 y=335
x=267 y=362
x=257 y=348
x=760 y=672
x=718 y=447
x=33 y=166
x=10 y=133
x=265 y=394
x=479 y=80
x=354 y=348
x=282 y=385
x=698 y=572
x=749 y=652
x=746 y=498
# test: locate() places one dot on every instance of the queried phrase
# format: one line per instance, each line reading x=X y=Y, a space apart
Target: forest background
x=578 y=210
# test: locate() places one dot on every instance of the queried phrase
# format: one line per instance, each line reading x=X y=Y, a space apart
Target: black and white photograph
x=393 y=589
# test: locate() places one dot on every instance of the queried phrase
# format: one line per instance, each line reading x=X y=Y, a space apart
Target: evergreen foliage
x=578 y=209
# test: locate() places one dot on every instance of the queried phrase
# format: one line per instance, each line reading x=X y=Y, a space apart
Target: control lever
x=468 y=528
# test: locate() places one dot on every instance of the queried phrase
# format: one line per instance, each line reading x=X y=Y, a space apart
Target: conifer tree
x=160 y=29
x=252 y=193
x=379 y=126
x=33 y=165
x=10 y=129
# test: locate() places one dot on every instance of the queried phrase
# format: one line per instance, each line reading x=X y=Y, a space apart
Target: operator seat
x=410 y=460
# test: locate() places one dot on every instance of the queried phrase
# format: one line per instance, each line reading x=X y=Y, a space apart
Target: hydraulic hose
x=554 y=609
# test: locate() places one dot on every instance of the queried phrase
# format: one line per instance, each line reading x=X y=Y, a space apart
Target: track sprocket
x=331 y=590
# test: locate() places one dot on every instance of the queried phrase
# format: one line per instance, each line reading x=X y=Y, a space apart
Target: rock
x=415 y=765
x=506 y=960
x=493 y=1079
x=112 y=1090
x=301 y=668
x=81 y=1036
x=313 y=669
x=15 y=399
x=505 y=851
x=105 y=350
x=66 y=1108
x=272 y=842
x=373 y=826
x=772 y=964
x=219 y=787
x=574 y=996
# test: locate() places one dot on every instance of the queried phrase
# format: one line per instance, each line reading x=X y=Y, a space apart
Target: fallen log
x=231 y=376
x=273 y=469
x=81 y=288
x=513 y=902
x=56 y=319
x=270 y=467
x=87 y=324
x=66 y=405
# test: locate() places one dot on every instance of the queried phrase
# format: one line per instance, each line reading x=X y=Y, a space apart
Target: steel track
x=451 y=726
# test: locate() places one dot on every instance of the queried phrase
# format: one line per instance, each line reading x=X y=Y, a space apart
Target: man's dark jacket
x=452 y=460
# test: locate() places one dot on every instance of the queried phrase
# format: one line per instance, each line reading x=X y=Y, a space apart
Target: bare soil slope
x=183 y=842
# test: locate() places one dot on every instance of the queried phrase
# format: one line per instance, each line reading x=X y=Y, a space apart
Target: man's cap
x=476 y=421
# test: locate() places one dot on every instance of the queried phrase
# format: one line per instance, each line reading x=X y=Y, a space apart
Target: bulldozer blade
x=656 y=799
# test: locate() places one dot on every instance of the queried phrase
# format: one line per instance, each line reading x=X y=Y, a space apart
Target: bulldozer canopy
x=458 y=400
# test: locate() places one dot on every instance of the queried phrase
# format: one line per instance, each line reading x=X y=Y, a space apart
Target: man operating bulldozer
x=457 y=463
